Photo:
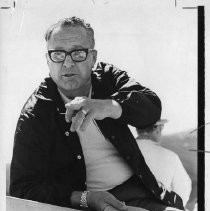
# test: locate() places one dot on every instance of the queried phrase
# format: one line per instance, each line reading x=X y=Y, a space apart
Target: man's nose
x=68 y=62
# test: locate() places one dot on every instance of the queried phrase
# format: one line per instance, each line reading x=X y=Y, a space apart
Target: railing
x=16 y=204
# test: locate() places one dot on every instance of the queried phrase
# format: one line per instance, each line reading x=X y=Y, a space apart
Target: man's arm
x=88 y=109
x=30 y=178
x=140 y=106
x=97 y=200
x=128 y=101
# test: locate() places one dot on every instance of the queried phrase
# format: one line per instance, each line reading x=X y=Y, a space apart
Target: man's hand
x=104 y=201
x=82 y=110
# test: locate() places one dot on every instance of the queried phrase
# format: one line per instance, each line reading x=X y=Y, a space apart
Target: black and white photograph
x=104 y=105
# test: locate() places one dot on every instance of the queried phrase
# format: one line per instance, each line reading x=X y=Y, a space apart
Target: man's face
x=71 y=77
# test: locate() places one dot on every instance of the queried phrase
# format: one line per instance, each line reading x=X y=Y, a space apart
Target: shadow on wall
x=183 y=144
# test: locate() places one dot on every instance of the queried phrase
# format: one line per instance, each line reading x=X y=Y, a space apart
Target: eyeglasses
x=77 y=55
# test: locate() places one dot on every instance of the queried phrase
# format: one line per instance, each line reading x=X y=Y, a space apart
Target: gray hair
x=72 y=22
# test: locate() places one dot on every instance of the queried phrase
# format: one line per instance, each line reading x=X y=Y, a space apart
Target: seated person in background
x=163 y=163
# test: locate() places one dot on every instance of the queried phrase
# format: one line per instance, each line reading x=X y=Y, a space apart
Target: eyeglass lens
x=76 y=55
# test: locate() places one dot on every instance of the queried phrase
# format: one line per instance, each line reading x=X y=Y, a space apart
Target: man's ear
x=160 y=128
x=47 y=57
x=94 y=56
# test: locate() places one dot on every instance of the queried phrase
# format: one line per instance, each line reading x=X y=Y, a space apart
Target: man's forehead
x=69 y=33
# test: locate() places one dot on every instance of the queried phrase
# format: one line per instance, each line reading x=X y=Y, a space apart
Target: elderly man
x=72 y=145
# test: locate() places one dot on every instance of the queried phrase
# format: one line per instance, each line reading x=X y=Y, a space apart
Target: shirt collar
x=149 y=140
x=67 y=100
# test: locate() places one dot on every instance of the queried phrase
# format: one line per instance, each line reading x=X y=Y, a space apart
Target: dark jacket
x=48 y=162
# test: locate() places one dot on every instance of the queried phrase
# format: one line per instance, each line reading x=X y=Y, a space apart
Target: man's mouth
x=68 y=75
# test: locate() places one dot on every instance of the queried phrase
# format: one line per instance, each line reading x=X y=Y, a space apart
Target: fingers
x=104 y=201
x=116 y=203
x=77 y=121
x=120 y=206
x=69 y=113
x=80 y=121
x=73 y=106
x=87 y=119
x=84 y=110
x=110 y=208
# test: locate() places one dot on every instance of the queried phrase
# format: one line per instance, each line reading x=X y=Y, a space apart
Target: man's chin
x=70 y=87
x=71 y=84
x=73 y=87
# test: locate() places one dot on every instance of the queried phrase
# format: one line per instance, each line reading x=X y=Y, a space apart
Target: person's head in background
x=152 y=132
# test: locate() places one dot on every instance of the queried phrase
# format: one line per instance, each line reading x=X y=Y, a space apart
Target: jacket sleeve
x=141 y=107
x=30 y=166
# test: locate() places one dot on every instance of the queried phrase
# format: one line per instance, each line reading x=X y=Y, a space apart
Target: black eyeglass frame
x=86 y=50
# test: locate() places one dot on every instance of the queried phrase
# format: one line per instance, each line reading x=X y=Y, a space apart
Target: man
x=164 y=164
x=72 y=134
